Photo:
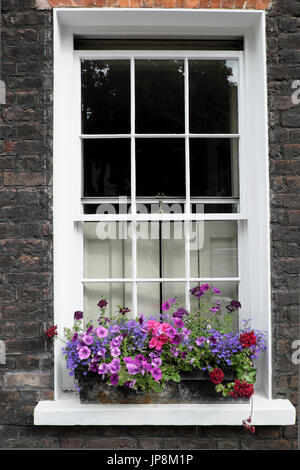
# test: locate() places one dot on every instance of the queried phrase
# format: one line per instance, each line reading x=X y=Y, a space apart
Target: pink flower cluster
x=162 y=333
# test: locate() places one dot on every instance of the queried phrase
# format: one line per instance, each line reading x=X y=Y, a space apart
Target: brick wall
x=26 y=233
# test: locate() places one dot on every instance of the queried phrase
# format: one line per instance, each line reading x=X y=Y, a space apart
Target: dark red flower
x=242 y=389
x=102 y=303
x=216 y=376
x=248 y=339
x=78 y=315
x=51 y=331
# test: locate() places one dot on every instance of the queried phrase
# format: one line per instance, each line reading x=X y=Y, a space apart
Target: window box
x=193 y=388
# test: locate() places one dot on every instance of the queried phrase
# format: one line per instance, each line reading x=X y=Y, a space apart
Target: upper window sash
x=132 y=135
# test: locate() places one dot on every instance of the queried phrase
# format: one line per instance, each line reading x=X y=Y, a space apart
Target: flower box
x=174 y=357
x=194 y=387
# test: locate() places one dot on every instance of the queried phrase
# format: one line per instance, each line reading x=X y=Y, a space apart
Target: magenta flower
x=166 y=306
x=215 y=309
x=205 y=287
x=101 y=332
x=156 y=362
x=172 y=301
x=171 y=332
x=114 y=366
x=216 y=290
x=102 y=368
x=114 y=379
x=115 y=352
x=156 y=373
x=87 y=339
x=84 y=352
x=132 y=368
x=200 y=341
x=130 y=384
x=178 y=322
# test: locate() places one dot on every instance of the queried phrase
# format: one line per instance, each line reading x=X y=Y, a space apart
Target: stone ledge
x=67 y=411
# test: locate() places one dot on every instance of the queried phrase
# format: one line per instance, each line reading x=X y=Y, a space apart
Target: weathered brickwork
x=26 y=232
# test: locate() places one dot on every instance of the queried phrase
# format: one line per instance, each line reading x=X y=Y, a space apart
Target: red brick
x=256 y=4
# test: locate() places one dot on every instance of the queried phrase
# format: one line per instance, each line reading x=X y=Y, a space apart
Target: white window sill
x=68 y=411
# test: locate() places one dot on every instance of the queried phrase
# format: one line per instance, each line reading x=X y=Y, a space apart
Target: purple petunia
x=87 y=339
x=156 y=373
x=115 y=352
x=114 y=379
x=84 y=352
x=101 y=332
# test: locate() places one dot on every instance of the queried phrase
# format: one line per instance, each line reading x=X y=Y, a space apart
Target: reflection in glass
x=160 y=168
x=213 y=96
x=159 y=94
x=213 y=249
x=107 y=250
x=211 y=208
x=106 y=167
x=105 y=100
x=214 y=167
x=162 y=254
x=151 y=296
x=115 y=293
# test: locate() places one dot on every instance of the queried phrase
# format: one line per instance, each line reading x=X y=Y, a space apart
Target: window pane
x=214 y=167
x=116 y=293
x=227 y=291
x=213 y=96
x=160 y=168
x=211 y=208
x=162 y=253
x=151 y=296
x=214 y=249
x=159 y=94
x=106 y=167
x=105 y=96
x=107 y=250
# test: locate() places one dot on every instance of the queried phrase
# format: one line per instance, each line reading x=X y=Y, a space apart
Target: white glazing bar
x=133 y=188
x=161 y=279
x=155 y=217
x=170 y=200
x=156 y=54
x=187 y=182
x=158 y=136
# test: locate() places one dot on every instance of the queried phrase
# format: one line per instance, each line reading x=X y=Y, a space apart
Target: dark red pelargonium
x=248 y=339
x=242 y=389
x=51 y=332
x=216 y=376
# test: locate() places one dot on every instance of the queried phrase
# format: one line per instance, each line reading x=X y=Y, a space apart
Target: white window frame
x=255 y=246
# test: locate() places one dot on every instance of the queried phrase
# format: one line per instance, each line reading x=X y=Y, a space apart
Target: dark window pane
x=214 y=167
x=160 y=168
x=85 y=44
x=106 y=167
x=105 y=96
x=159 y=88
x=213 y=96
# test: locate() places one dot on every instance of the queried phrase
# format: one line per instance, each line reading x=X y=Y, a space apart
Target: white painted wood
x=69 y=412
